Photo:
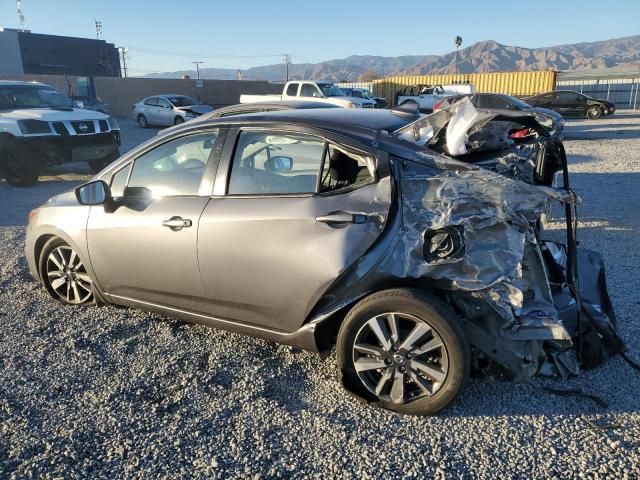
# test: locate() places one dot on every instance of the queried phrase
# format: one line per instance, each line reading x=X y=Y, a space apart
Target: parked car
x=553 y=121
x=90 y=103
x=324 y=92
x=428 y=95
x=570 y=103
x=344 y=227
x=40 y=127
x=380 y=102
x=167 y=110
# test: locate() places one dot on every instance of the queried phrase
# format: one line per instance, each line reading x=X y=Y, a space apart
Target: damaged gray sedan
x=412 y=244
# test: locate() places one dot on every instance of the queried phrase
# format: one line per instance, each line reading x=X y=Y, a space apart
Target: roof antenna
x=20 y=15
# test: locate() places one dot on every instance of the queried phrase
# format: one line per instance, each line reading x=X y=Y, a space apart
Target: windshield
x=517 y=102
x=31 y=96
x=182 y=101
x=330 y=90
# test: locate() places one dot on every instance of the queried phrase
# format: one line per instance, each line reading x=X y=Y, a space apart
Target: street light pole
x=198 y=68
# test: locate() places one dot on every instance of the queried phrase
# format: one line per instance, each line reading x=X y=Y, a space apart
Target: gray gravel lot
x=111 y=392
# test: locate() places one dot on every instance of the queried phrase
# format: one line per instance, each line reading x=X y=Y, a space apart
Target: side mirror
x=78 y=103
x=93 y=193
x=278 y=164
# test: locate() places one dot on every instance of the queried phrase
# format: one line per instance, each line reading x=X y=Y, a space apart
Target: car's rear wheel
x=142 y=121
x=64 y=274
x=405 y=350
x=178 y=120
x=19 y=166
x=594 y=112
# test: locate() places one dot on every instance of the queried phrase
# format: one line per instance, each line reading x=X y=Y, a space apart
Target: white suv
x=39 y=126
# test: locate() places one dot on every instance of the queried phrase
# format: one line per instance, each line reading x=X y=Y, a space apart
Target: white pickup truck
x=324 y=92
x=428 y=95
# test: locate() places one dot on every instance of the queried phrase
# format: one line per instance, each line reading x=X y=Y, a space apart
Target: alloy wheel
x=67 y=276
x=400 y=357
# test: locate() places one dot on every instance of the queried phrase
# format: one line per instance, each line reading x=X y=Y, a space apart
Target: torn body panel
x=468 y=228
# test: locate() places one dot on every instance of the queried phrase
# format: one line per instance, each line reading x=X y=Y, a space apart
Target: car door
x=567 y=103
x=283 y=225
x=545 y=100
x=150 y=110
x=143 y=248
x=165 y=112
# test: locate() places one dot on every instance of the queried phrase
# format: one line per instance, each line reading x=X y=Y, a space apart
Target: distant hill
x=620 y=54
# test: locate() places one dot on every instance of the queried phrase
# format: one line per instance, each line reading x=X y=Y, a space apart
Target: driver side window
x=173 y=168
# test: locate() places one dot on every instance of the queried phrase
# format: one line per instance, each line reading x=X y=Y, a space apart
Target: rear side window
x=292 y=90
x=345 y=169
x=268 y=163
x=276 y=163
x=153 y=101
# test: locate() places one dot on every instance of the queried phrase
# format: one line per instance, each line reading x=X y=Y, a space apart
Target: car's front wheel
x=142 y=121
x=405 y=350
x=64 y=274
x=178 y=120
x=19 y=166
x=594 y=112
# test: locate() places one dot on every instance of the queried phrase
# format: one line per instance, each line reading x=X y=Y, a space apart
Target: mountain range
x=619 y=54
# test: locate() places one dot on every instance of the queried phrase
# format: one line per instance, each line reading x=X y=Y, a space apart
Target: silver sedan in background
x=167 y=110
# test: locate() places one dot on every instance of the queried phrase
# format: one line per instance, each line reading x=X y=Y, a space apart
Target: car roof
x=21 y=82
x=349 y=121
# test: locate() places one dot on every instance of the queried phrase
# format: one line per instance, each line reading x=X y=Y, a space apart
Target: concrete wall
x=57 y=81
x=121 y=93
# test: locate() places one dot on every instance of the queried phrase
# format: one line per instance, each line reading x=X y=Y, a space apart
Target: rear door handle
x=177 y=223
x=341 y=218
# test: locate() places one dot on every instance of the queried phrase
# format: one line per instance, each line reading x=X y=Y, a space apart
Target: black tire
x=447 y=330
x=79 y=295
x=99 y=164
x=19 y=166
x=142 y=121
x=178 y=120
x=594 y=112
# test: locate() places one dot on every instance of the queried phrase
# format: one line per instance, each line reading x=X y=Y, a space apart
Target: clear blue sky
x=244 y=33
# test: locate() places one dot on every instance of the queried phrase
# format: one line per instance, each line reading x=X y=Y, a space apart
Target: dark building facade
x=39 y=54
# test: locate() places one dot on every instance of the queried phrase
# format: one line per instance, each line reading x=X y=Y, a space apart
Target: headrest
x=342 y=168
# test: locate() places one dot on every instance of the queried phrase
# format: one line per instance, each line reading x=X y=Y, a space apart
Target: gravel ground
x=112 y=392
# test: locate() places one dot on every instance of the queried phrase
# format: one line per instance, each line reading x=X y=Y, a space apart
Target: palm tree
x=458 y=42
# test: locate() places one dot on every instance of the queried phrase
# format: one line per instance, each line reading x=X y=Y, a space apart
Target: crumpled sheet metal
x=501 y=264
x=494 y=211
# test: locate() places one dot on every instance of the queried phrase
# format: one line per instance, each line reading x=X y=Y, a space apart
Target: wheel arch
x=328 y=324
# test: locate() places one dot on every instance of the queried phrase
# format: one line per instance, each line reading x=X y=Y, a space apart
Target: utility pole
x=287 y=61
x=124 y=52
x=198 y=68
x=20 y=15
x=98 y=28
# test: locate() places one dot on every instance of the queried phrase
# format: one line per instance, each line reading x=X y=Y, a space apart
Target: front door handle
x=177 y=223
x=341 y=218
